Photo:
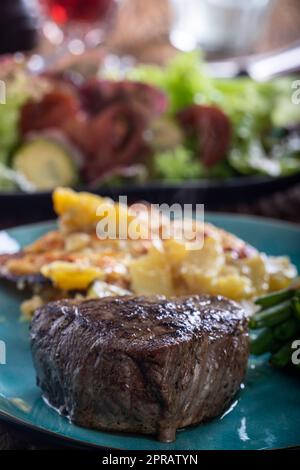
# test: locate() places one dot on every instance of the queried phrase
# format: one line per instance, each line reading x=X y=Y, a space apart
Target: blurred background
x=148 y=30
x=61 y=35
x=219 y=27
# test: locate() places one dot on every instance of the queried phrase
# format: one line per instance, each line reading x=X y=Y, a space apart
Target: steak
x=146 y=365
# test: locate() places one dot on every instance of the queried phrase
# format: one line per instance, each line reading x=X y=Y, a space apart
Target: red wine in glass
x=65 y=11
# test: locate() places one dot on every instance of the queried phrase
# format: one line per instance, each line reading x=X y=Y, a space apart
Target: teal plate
x=265 y=415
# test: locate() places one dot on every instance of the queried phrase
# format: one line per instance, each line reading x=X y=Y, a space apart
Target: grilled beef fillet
x=140 y=364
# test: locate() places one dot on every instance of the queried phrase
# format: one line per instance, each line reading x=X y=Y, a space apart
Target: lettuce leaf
x=184 y=79
x=176 y=165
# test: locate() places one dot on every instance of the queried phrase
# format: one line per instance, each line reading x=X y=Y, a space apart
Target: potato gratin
x=73 y=261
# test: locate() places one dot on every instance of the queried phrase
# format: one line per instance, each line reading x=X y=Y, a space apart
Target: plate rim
x=23 y=423
x=281 y=224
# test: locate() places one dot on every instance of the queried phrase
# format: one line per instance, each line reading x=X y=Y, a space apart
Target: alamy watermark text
x=2 y=92
x=2 y=353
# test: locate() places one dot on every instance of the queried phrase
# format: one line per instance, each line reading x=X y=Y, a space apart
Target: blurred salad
x=172 y=124
x=265 y=123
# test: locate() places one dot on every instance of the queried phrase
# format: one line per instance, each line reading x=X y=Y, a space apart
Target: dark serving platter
x=215 y=194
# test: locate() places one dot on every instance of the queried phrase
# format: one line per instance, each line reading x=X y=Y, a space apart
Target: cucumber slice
x=45 y=164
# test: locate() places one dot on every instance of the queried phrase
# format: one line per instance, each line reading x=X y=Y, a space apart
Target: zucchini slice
x=45 y=164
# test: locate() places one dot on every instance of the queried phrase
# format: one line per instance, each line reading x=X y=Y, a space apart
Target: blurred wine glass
x=77 y=24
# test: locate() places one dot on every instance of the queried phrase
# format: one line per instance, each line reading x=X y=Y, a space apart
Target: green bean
x=286 y=330
x=274 y=298
x=271 y=316
x=262 y=343
x=282 y=357
x=296 y=307
x=276 y=346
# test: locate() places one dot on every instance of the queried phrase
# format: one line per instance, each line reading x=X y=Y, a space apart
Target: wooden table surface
x=149 y=42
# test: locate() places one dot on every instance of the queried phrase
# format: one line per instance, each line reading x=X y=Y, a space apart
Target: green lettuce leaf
x=176 y=165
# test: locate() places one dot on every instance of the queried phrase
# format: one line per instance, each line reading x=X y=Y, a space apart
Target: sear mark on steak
x=147 y=365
